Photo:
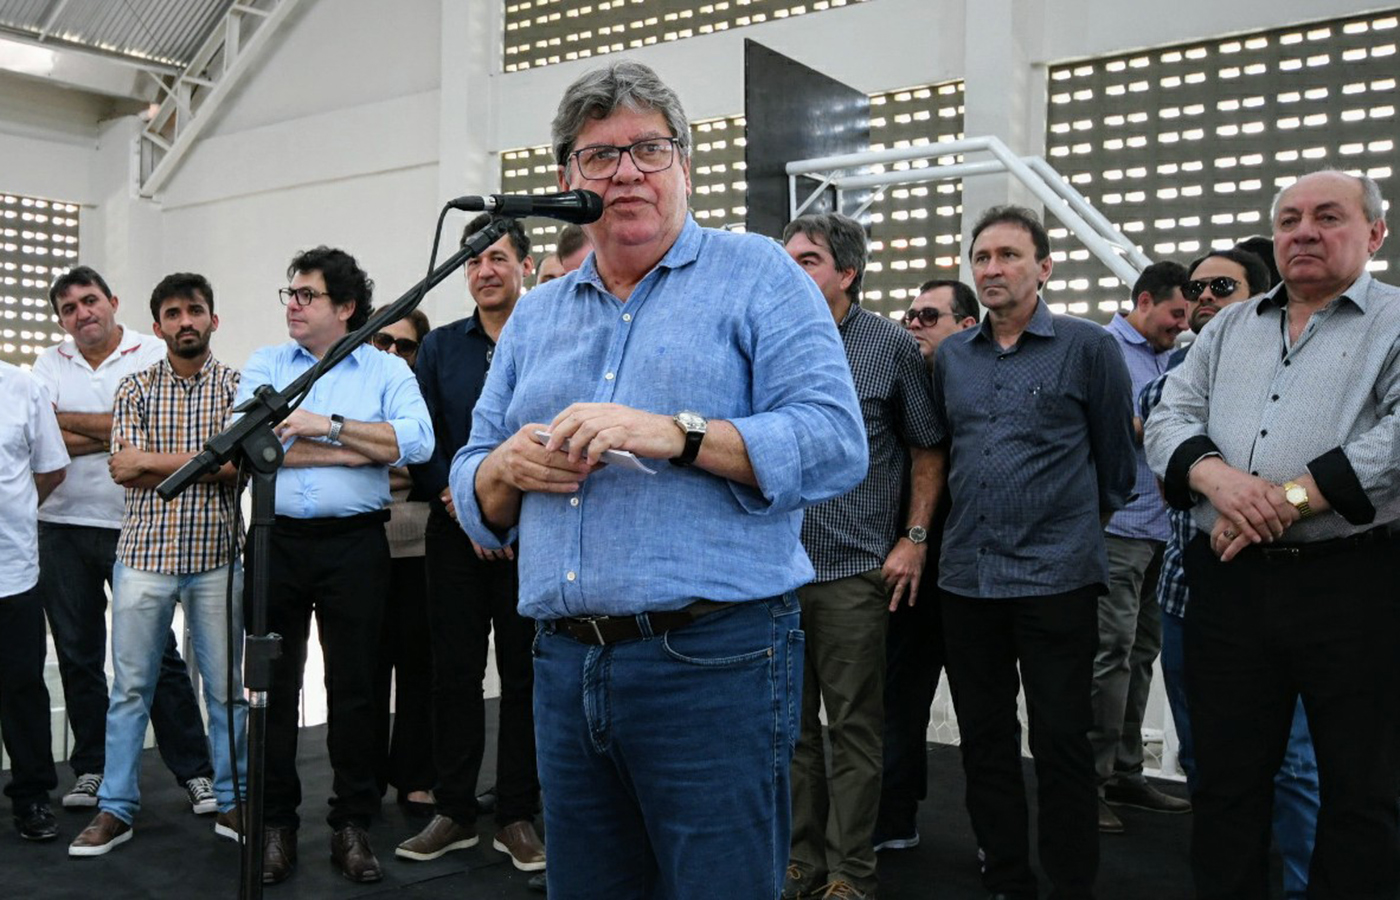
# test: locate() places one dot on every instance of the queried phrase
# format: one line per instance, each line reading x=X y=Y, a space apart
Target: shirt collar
x=1042 y=323
x=196 y=378
x=851 y=312
x=356 y=356
x=685 y=250
x=1120 y=326
x=1357 y=294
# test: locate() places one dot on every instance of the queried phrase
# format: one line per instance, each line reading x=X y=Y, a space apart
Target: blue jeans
x=74 y=563
x=665 y=761
x=143 y=604
x=1296 y=798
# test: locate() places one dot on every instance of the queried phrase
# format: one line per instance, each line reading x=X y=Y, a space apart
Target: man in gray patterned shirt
x=1286 y=457
x=867 y=560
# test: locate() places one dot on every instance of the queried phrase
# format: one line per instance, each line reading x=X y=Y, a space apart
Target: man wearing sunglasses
x=1279 y=434
x=329 y=554
x=668 y=655
x=472 y=590
x=914 y=644
x=943 y=307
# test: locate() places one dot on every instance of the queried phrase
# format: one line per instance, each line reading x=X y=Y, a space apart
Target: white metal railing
x=1098 y=234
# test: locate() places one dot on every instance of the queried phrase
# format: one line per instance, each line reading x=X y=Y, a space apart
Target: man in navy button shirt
x=472 y=590
x=1038 y=412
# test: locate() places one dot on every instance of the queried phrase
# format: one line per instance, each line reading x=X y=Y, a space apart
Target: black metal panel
x=792 y=112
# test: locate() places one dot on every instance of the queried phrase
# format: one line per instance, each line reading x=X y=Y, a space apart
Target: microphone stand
x=252 y=439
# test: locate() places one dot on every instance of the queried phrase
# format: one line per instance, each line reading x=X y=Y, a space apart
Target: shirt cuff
x=1177 y=484
x=469 y=515
x=1337 y=481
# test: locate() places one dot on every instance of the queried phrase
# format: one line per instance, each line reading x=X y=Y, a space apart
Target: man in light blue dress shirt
x=668 y=661
x=329 y=553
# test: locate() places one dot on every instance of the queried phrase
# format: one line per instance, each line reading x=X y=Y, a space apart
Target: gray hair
x=601 y=91
x=1372 y=203
x=842 y=235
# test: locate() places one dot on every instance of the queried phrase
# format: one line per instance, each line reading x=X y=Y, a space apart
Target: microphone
x=579 y=207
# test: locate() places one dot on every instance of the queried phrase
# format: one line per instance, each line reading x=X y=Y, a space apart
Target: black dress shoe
x=351 y=854
x=35 y=822
x=279 y=853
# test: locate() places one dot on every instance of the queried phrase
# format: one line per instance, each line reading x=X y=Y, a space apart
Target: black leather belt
x=603 y=630
x=1282 y=554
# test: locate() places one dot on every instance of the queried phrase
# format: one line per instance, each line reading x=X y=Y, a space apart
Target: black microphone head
x=590 y=207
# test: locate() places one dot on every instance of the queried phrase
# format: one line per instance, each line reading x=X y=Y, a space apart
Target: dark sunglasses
x=1220 y=286
x=927 y=315
x=384 y=340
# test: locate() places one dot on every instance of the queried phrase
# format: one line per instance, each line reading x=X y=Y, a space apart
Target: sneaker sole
x=205 y=807
x=522 y=866
x=224 y=831
x=464 y=844
x=104 y=848
x=908 y=843
x=79 y=801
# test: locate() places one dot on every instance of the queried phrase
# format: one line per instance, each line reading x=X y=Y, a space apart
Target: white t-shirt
x=89 y=496
x=30 y=442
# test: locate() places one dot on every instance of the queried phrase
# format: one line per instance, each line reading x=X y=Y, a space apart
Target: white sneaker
x=200 y=790
x=83 y=792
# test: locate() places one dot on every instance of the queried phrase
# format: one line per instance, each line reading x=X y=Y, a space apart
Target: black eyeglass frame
x=576 y=156
x=286 y=294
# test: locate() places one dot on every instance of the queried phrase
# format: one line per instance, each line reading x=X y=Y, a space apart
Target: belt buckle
x=597 y=632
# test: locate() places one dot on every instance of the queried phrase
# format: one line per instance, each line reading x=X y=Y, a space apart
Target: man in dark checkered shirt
x=868 y=552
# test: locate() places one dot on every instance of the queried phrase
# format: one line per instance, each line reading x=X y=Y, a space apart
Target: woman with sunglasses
x=406 y=759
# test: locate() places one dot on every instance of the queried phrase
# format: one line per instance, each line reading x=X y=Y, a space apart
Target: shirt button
x=1263 y=432
x=1288 y=362
x=981 y=518
x=1255 y=474
x=981 y=551
x=573 y=501
x=1274 y=397
x=571 y=576
x=986 y=452
x=626 y=317
x=981 y=484
x=608 y=377
x=997 y=385
x=994 y=418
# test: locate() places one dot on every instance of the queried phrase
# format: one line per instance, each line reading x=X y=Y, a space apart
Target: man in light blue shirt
x=668 y=660
x=1130 y=621
x=329 y=553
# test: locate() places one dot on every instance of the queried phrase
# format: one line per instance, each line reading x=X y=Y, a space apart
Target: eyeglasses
x=303 y=295
x=1221 y=286
x=649 y=155
x=927 y=315
x=405 y=346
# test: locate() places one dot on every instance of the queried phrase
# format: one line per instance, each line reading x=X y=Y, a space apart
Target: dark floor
x=175 y=854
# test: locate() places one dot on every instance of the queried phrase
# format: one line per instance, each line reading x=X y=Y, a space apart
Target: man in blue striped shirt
x=668 y=659
x=1130 y=624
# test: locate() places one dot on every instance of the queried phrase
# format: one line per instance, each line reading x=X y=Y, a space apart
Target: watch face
x=1296 y=494
x=690 y=421
x=918 y=534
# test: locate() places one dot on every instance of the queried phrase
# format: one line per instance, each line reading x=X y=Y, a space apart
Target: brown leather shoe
x=1109 y=823
x=102 y=834
x=351 y=854
x=519 y=840
x=442 y=835
x=279 y=853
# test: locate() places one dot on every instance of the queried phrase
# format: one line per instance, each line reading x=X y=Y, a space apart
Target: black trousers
x=405 y=669
x=467 y=598
x=1261 y=631
x=24 y=700
x=338 y=570
x=1053 y=638
x=913 y=664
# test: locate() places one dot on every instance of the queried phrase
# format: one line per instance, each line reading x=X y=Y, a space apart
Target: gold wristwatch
x=1297 y=497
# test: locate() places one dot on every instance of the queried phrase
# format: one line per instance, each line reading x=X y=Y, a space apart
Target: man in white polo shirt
x=78 y=529
x=31 y=465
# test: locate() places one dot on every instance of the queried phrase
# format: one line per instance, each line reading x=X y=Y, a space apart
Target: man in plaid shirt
x=178 y=551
